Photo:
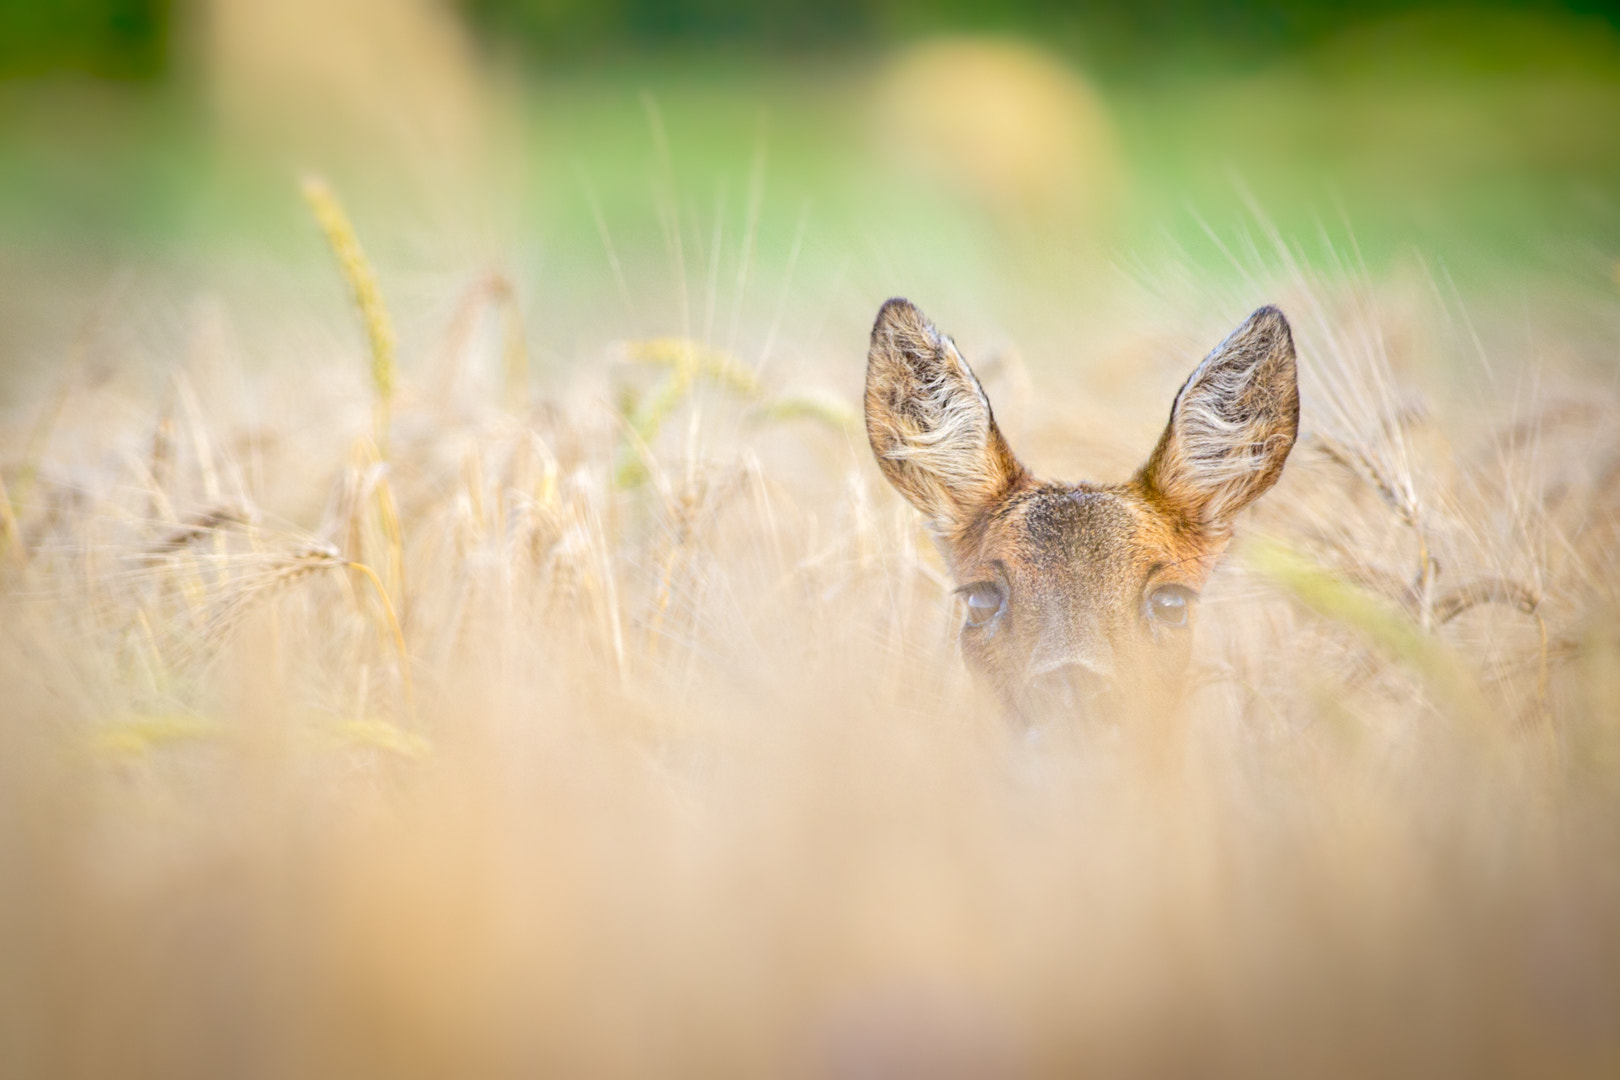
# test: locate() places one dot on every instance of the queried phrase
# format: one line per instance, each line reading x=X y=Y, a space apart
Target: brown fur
x=1077 y=568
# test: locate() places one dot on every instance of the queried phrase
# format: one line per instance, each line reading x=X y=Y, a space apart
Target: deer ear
x=929 y=422
x=1231 y=427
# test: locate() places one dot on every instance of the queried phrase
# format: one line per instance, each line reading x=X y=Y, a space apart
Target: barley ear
x=351 y=258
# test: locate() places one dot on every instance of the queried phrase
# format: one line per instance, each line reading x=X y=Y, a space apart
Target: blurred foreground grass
x=680 y=774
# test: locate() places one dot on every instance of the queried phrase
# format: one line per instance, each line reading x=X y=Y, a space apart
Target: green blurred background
x=753 y=173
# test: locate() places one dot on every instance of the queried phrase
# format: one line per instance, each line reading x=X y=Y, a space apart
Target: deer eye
x=984 y=602
x=1168 y=605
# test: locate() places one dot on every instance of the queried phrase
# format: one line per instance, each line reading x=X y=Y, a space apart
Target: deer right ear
x=930 y=424
x=1231 y=427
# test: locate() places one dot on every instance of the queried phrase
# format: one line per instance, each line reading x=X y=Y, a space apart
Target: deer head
x=1073 y=591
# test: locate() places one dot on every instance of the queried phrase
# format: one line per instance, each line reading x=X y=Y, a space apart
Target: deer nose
x=1067 y=689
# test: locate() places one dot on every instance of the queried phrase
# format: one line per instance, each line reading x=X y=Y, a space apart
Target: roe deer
x=1073 y=591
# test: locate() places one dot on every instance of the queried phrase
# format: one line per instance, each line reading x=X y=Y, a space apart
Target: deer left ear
x=929 y=422
x=1231 y=427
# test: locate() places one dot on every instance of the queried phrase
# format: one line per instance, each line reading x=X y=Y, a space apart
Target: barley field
x=422 y=657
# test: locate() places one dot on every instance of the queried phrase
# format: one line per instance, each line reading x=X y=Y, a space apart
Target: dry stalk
x=368 y=519
x=40 y=435
x=1420 y=599
x=691 y=513
x=394 y=541
x=10 y=532
x=823 y=407
x=1361 y=467
x=1490 y=590
x=395 y=632
x=195 y=528
x=161 y=468
x=216 y=619
x=688 y=363
x=514 y=346
x=291 y=567
x=1350 y=606
x=491 y=291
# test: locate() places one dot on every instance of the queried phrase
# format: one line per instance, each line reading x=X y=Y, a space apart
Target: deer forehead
x=1081 y=538
x=1061 y=531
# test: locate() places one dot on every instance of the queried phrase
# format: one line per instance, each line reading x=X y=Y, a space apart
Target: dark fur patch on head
x=1065 y=524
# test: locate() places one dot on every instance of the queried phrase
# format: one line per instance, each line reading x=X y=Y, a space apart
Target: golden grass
x=526 y=770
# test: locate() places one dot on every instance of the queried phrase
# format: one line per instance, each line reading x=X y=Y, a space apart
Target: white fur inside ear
x=1224 y=445
x=929 y=421
x=1233 y=423
x=952 y=431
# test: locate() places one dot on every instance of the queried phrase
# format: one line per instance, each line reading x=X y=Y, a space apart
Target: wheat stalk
x=357 y=271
